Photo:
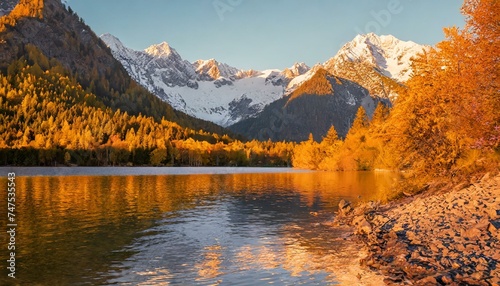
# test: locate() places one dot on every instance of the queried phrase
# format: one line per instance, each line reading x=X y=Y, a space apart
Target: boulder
x=344 y=208
x=363 y=226
x=494 y=228
x=412 y=237
x=414 y=271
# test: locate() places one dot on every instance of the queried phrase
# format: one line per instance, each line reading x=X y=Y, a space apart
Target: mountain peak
x=205 y=63
x=386 y=53
x=318 y=84
x=299 y=65
x=109 y=36
x=161 y=50
x=300 y=68
x=296 y=70
x=112 y=42
x=370 y=38
x=212 y=69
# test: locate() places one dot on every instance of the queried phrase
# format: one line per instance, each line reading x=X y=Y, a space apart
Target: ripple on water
x=206 y=246
x=244 y=229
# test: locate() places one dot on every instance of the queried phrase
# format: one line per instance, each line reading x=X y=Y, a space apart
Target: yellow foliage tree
x=307 y=154
x=449 y=109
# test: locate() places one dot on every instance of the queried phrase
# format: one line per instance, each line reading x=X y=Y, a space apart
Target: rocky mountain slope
x=320 y=102
x=6 y=6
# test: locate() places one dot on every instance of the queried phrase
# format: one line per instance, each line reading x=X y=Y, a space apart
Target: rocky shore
x=446 y=237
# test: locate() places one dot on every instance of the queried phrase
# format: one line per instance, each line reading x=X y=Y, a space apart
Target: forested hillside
x=322 y=101
x=47 y=118
x=65 y=100
x=60 y=35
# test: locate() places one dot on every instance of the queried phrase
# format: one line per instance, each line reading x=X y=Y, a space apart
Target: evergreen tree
x=361 y=121
x=331 y=136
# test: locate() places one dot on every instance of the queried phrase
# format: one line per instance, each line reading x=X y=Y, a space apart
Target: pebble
x=446 y=279
x=446 y=238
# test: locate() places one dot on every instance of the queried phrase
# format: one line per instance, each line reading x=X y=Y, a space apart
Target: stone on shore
x=447 y=238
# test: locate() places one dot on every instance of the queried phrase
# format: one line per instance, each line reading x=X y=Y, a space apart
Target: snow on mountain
x=224 y=104
x=162 y=50
x=213 y=70
x=205 y=89
x=378 y=63
x=300 y=79
x=157 y=61
x=388 y=54
x=217 y=92
x=296 y=70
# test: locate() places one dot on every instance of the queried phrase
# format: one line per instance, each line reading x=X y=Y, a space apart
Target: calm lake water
x=193 y=229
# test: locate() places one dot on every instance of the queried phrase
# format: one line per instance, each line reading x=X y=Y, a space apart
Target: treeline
x=47 y=118
x=446 y=120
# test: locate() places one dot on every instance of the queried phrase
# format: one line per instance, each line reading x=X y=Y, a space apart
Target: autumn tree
x=158 y=157
x=307 y=154
x=330 y=148
x=446 y=121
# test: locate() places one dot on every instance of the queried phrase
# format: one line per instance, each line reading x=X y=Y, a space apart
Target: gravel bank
x=444 y=238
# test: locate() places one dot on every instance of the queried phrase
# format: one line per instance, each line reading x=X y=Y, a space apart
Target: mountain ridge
x=381 y=64
x=225 y=95
x=206 y=89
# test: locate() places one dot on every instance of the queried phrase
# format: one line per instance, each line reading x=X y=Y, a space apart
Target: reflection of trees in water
x=77 y=224
x=209 y=267
x=327 y=256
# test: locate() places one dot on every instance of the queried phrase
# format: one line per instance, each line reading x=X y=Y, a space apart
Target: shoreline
x=143 y=171
x=445 y=237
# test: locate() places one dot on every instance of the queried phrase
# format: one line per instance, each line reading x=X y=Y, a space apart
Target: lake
x=216 y=226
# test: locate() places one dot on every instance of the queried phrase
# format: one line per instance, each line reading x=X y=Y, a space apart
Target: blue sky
x=262 y=34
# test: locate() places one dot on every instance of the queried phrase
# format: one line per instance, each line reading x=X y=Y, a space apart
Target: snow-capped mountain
x=158 y=62
x=296 y=70
x=322 y=101
x=206 y=89
x=378 y=63
x=389 y=55
x=217 y=92
x=213 y=70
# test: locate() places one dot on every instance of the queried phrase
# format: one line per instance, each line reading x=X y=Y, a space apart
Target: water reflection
x=196 y=229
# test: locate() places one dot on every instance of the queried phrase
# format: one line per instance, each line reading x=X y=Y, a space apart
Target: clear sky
x=263 y=34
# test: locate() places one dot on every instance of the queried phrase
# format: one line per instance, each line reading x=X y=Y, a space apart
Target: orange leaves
x=451 y=102
x=25 y=8
x=307 y=155
x=483 y=18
